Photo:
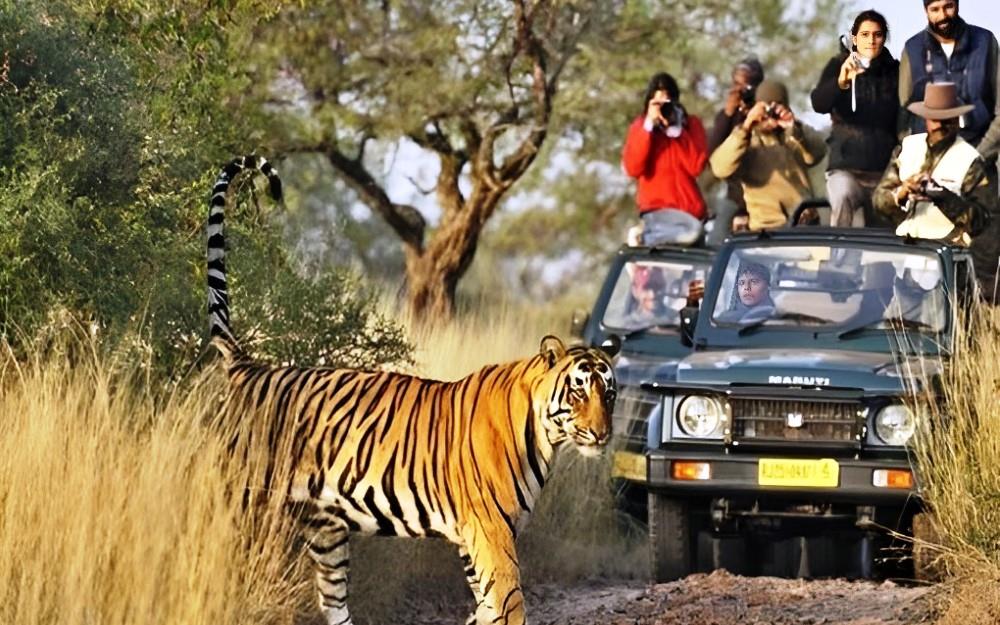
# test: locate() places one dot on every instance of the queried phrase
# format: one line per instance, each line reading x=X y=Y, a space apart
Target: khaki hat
x=772 y=91
x=940 y=102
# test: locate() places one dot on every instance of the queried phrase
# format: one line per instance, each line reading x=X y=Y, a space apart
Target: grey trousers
x=669 y=225
x=850 y=194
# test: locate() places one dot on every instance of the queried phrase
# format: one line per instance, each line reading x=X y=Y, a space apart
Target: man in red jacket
x=665 y=150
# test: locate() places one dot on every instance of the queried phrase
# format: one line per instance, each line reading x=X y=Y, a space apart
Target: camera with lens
x=929 y=187
x=673 y=113
x=772 y=112
x=747 y=95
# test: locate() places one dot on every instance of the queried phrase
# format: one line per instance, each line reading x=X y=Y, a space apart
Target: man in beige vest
x=937 y=186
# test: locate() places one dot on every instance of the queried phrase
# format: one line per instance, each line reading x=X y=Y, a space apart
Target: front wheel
x=671 y=548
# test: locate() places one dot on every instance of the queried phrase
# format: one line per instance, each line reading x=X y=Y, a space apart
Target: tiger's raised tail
x=218 y=293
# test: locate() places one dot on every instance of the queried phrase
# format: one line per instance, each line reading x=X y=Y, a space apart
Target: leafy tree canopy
x=117 y=118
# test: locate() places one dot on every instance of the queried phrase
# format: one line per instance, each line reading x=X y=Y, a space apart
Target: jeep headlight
x=700 y=416
x=895 y=424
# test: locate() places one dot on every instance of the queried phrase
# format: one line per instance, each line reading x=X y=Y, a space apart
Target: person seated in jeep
x=646 y=305
x=917 y=297
x=752 y=296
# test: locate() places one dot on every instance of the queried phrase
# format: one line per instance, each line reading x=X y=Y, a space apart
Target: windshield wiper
x=785 y=316
x=901 y=323
x=640 y=331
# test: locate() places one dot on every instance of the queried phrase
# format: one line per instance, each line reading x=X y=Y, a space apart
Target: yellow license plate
x=824 y=473
x=629 y=465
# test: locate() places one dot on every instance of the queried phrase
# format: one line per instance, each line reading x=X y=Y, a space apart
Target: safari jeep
x=640 y=301
x=778 y=445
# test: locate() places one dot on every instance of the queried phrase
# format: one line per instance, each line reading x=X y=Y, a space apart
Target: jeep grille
x=631 y=414
x=784 y=420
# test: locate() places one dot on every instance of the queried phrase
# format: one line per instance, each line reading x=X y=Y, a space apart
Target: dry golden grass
x=114 y=507
x=957 y=450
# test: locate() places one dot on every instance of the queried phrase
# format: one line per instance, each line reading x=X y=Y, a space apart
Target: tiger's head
x=581 y=387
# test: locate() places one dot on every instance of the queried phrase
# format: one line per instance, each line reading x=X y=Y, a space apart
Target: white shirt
x=948 y=48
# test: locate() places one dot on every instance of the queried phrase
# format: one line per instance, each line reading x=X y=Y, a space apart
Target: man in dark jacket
x=858 y=89
x=951 y=50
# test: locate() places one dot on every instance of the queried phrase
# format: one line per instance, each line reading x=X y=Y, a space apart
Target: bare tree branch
x=405 y=220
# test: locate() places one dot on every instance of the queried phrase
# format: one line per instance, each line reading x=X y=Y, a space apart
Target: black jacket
x=861 y=140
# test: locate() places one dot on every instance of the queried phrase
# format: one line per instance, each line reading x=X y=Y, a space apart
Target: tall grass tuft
x=115 y=506
x=957 y=450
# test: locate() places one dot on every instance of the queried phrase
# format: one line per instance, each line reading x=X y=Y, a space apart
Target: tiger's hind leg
x=327 y=536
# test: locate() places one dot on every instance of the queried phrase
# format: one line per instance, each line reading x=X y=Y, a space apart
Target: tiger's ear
x=552 y=348
x=611 y=345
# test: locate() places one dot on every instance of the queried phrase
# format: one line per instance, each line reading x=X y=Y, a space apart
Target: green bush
x=107 y=155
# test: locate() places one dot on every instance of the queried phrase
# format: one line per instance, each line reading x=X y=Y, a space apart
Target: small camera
x=672 y=112
x=669 y=111
x=748 y=95
x=772 y=111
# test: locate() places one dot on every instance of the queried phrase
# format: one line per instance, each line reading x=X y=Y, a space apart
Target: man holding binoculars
x=664 y=151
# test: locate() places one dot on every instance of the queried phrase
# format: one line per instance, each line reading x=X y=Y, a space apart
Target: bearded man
x=951 y=50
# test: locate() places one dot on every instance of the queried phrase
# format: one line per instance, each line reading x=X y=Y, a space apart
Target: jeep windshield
x=649 y=294
x=838 y=288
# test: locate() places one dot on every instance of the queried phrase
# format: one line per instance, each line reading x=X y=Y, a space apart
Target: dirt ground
x=715 y=599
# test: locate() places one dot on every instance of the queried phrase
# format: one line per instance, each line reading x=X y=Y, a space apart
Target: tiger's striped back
x=339 y=429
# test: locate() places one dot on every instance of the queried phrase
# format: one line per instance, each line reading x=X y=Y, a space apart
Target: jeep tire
x=671 y=548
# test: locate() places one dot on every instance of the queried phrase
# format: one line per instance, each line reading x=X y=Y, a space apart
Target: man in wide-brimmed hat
x=937 y=186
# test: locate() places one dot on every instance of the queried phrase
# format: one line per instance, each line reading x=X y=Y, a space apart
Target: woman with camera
x=859 y=90
x=664 y=151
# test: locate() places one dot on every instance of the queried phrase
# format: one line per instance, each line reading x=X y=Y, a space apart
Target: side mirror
x=578 y=323
x=689 y=318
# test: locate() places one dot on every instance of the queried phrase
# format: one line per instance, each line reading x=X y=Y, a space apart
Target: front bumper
x=733 y=475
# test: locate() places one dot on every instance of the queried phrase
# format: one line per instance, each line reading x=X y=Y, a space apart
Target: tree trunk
x=430 y=293
x=433 y=273
x=460 y=138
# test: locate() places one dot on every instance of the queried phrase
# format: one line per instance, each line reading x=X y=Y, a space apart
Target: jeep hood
x=870 y=371
x=635 y=368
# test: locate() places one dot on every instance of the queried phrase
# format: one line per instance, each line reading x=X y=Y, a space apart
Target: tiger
x=388 y=453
